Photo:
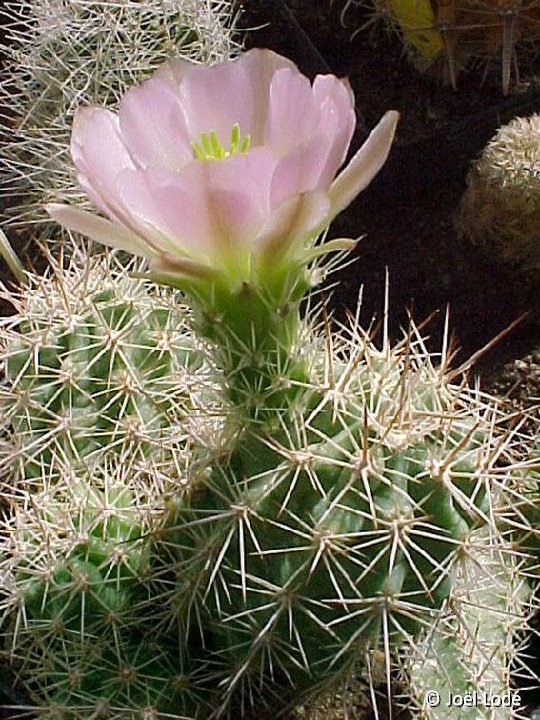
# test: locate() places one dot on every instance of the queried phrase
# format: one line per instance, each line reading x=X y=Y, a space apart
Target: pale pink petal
x=292 y=114
x=364 y=165
x=260 y=66
x=339 y=89
x=99 y=155
x=257 y=67
x=97 y=148
x=299 y=171
x=108 y=205
x=98 y=229
x=210 y=207
x=216 y=98
x=313 y=162
x=113 y=207
x=337 y=121
x=163 y=204
x=153 y=126
x=173 y=71
x=295 y=221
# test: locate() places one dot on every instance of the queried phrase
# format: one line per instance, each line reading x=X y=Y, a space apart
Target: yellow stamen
x=208 y=147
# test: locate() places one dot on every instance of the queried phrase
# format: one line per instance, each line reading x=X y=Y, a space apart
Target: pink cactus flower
x=227 y=168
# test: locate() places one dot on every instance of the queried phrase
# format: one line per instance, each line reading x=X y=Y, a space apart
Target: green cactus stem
x=97 y=363
x=335 y=533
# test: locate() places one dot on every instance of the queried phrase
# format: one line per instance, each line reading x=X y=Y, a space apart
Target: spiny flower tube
x=223 y=177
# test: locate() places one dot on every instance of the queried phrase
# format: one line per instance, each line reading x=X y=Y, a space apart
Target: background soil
x=408 y=213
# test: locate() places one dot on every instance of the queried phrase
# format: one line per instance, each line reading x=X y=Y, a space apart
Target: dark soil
x=408 y=213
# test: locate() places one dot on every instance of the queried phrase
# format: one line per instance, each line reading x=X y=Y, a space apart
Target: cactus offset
x=96 y=362
x=500 y=210
x=105 y=390
x=475 y=642
x=76 y=628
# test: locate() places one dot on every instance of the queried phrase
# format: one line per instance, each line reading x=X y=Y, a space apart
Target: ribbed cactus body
x=200 y=564
x=343 y=540
x=96 y=578
x=104 y=392
x=131 y=679
x=96 y=364
x=500 y=209
x=78 y=618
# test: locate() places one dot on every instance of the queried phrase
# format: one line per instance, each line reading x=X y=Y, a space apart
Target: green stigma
x=209 y=147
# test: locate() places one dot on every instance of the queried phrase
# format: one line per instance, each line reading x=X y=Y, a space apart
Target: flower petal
x=321 y=146
x=97 y=148
x=257 y=68
x=153 y=126
x=98 y=229
x=260 y=66
x=174 y=266
x=364 y=165
x=215 y=98
x=99 y=155
x=297 y=219
x=292 y=115
x=210 y=208
x=337 y=121
x=173 y=71
x=300 y=170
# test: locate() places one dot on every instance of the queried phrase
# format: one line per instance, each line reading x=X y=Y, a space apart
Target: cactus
x=76 y=624
x=235 y=504
x=61 y=55
x=104 y=391
x=324 y=524
x=451 y=35
x=331 y=528
x=500 y=209
x=96 y=362
x=468 y=652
